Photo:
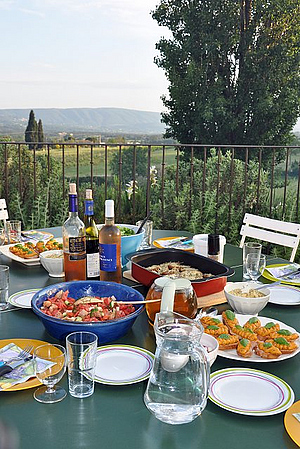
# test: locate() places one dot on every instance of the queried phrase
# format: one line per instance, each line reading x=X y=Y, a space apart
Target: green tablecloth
x=115 y=417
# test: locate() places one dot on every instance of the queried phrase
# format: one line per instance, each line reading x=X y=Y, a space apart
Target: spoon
x=212 y=311
x=267 y=285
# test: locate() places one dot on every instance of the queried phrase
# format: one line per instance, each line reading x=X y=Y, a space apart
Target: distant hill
x=98 y=120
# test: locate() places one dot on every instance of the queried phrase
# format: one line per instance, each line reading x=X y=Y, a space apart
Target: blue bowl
x=130 y=243
x=105 y=330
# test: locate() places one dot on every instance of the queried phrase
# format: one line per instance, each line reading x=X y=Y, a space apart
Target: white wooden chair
x=272 y=231
x=3 y=211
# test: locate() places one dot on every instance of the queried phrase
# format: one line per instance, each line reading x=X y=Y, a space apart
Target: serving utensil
x=143 y=222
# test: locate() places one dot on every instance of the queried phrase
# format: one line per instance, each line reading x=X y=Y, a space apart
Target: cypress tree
x=40 y=132
x=31 y=132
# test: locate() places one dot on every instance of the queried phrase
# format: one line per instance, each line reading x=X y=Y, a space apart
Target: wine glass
x=54 y=357
x=255 y=265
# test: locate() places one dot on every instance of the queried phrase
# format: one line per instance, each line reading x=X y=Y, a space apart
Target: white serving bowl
x=246 y=306
x=53 y=264
x=211 y=344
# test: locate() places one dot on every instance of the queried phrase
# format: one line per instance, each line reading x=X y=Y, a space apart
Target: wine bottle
x=92 y=238
x=110 y=247
x=74 y=241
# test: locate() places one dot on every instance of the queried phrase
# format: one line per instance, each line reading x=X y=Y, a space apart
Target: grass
x=84 y=158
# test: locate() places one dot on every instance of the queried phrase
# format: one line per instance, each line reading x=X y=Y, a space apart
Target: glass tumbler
x=4 y=284
x=147 y=239
x=253 y=248
x=13 y=231
x=81 y=352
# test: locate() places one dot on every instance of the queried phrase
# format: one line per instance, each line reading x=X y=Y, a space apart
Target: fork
x=16 y=361
x=23 y=355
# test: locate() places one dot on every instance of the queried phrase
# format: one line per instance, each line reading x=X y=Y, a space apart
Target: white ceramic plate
x=29 y=262
x=122 y=364
x=285 y=295
x=250 y=392
x=23 y=298
x=231 y=353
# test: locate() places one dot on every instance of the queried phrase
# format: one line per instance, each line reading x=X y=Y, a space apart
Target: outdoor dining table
x=115 y=417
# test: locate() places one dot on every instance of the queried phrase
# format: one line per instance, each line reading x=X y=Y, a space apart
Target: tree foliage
x=40 y=132
x=128 y=157
x=233 y=70
x=31 y=132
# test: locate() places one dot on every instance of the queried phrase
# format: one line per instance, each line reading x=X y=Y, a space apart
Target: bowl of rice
x=53 y=262
x=245 y=299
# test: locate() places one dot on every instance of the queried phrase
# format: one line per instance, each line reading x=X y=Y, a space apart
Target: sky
x=80 y=53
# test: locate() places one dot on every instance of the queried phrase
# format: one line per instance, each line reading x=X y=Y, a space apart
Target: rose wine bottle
x=74 y=241
x=92 y=238
x=110 y=247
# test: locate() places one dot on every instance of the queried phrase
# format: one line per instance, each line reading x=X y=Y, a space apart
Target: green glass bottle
x=92 y=238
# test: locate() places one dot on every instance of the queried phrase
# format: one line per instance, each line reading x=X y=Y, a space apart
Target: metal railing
x=90 y=163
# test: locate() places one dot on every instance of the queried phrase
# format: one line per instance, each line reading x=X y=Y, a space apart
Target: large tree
x=31 y=132
x=233 y=68
x=40 y=133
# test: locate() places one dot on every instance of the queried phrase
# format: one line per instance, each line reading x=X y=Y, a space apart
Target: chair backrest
x=3 y=211
x=272 y=231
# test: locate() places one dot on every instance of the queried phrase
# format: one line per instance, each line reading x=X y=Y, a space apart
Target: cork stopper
x=72 y=188
x=89 y=194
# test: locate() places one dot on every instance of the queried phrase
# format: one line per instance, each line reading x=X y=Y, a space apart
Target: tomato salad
x=88 y=308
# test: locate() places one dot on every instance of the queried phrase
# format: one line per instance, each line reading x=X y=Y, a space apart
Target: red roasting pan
x=140 y=260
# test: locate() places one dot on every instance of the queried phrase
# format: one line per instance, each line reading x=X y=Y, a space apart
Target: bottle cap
x=89 y=194
x=109 y=208
x=72 y=188
x=213 y=244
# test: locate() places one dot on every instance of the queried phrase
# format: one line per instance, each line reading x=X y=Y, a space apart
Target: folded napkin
x=23 y=372
x=278 y=272
x=297 y=416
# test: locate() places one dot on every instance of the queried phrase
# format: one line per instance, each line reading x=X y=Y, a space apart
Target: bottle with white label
x=92 y=238
x=74 y=247
x=110 y=247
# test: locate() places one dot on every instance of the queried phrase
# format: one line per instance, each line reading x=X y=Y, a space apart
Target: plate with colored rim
x=23 y=298
x=22 y=343
x=250 y=392
x=291 y=424
x=122 y=364
x=242 y=319
x=284 y=295
x=266 y=274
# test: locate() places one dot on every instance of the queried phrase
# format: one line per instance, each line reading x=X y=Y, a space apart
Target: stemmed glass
x=55 y=358
x=255 y=265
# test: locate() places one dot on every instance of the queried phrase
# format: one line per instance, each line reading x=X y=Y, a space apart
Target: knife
x=290 y=273
x=178 y=240
x=8 y=367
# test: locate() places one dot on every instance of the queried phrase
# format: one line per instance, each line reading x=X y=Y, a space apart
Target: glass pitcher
x=177 y=389
x=180 y=293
